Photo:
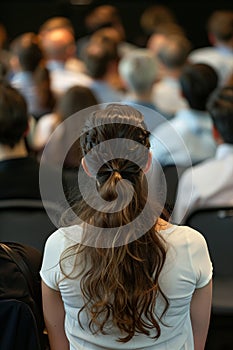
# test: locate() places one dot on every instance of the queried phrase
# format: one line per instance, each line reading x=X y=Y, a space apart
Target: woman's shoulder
x=182 y=235
x=65 y=236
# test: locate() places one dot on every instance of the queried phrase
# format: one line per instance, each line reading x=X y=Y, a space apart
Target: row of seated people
x=55 y=43
x=23 y=177
x=188 y=138
x=21 y=172
x=222 y=99
x=51 y=250
x=163 y=70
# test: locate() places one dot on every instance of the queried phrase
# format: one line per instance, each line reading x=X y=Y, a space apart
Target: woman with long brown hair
x=118 y=276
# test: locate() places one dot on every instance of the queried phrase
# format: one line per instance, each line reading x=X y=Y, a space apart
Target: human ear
x=85 y=167
x=148 y=164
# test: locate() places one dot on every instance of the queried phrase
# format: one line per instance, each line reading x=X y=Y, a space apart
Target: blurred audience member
x=138 y=70
x=104 y=16
x=57 y=22
x=188 y=136
x=59 y=47
x=19 y=173
x=3 y=36
x=211 y=181
x=153 y=17
x=171 y=49
x=220 y=54
x=4 y=52
x=101 y=59
x=74 y=100
x=110 y=34
x=30 y=77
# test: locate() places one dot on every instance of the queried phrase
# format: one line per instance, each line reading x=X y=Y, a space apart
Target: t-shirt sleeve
x=50 y=270
x=200 y=259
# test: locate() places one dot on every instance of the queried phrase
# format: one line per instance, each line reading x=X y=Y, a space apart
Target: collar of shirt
x=196 y=120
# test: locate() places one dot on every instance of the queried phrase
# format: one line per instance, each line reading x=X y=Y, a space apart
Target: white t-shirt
x=186 y=268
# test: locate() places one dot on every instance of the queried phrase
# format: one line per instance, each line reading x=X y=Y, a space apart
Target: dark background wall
x=19 y=17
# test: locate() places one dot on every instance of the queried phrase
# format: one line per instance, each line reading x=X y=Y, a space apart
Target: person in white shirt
x=212 y=180
x=59 y=48
x=171 y=51
x=189 y=134
x=220 y=54
x=120 y=277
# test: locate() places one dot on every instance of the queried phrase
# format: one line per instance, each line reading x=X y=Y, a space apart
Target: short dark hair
x=28 y=51
x=98 y=54
x=220 y=107
x=198 y=81
x=13 y=115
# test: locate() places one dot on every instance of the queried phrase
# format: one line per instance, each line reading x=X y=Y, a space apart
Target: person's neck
x=173 y=73
x=143 y=97
x=19 y=151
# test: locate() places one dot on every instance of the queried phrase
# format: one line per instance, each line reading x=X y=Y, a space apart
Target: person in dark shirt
x=20 y=172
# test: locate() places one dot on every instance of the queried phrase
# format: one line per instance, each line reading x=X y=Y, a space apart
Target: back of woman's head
x=74 y=100
x=116 y=147
x=124 y=259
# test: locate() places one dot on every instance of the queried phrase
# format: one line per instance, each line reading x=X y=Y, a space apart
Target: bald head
x=58 y=44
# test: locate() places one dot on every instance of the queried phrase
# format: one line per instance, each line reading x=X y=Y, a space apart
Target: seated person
x=20 y=172
x=171 y=50
x=101 y=58
x=30 y=77
x=187 y=139
x=138 y=70
x=220 y=54
x=59 y=49
x=212 y=180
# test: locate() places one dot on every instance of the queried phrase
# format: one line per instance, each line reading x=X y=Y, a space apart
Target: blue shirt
x=104 y=92
x=185 y=140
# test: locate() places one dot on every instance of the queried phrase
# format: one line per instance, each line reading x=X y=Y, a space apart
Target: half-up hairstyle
x=119 y=280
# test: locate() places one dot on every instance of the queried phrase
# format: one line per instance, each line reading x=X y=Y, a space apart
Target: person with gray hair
x=138 y=70
x=171 y=48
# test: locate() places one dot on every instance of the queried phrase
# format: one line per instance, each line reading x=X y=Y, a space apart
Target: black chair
x=172 y=175
x=216 y=225
x=26 y=221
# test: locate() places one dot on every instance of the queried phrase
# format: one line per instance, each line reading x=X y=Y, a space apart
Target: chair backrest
x=172 y=175
x=26 y=221
x=216 y=225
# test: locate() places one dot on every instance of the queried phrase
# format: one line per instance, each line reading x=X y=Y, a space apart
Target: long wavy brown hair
x=119 y=281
